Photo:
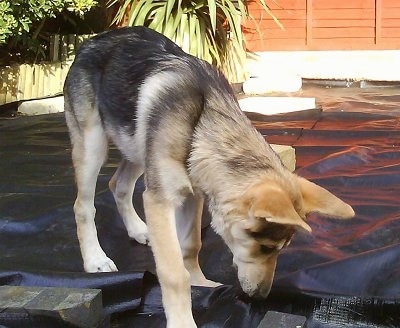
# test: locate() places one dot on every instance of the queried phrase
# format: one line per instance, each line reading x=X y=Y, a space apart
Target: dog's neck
x=228 y=155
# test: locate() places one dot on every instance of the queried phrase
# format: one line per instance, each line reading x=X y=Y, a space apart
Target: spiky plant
x=208 y=29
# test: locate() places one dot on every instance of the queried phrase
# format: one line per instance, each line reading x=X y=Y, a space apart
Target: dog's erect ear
x=318 y=199
x=271 y=202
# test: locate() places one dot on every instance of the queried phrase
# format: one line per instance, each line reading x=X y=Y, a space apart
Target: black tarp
x=346 y=273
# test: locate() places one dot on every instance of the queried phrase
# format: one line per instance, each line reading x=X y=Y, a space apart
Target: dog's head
x=271 y=213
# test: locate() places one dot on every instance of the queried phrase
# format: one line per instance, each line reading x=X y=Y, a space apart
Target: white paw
x=185 y=325
x=141 y=238
x=205 y=283
x=103 y=264
x=182 y=322
x=140 y=233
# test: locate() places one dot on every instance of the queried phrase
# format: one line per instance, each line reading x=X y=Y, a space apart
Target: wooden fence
x=325 y=25
x=28 y=81
x=64 y=47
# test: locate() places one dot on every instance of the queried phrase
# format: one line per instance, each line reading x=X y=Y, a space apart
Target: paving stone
x=282 y=320
x=77 y=307
x=276 y=105
x=287 y=155
x=42 y=106
x=267 y=83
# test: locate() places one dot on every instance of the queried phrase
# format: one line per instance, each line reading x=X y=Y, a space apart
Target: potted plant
x=208 y=29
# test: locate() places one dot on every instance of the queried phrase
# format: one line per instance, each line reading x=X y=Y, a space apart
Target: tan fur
x=317 y=199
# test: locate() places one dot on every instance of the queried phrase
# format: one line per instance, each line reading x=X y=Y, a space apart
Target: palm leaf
x=172 y=22
x=212 y=10
x=136 y=11
x=192 y=35
x=266 y=8
x=209 y=29
x=119 y=16
x=183 y=33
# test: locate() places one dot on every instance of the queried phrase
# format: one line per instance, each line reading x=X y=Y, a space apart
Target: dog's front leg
x=188 y=226
x=173 y=277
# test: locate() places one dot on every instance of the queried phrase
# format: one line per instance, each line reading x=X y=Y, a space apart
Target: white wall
x=371 y=65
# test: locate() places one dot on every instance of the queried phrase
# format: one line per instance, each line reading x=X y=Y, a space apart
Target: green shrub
x=8 y=23
x=21 y=22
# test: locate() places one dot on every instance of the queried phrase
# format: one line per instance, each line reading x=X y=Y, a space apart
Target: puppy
x=176 y=120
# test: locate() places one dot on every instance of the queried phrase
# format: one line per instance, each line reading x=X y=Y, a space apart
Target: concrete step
x=276 y=105
x=42 y=106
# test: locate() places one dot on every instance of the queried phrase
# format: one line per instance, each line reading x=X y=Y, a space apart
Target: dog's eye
x=267 y=249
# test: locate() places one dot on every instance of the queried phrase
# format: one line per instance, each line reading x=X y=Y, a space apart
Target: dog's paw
x=180 y=321
x=141 y=238
x=184 y=325
x=205 y=283
x=103 y=264
x=140 y=233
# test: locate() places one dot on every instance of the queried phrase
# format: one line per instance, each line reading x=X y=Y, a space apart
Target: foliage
x=21 y=21
x=7 y=21
x=208 y=29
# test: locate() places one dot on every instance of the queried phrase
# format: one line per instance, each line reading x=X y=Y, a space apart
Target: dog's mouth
x=256 y=296
x=259 y=292
x=254 y=291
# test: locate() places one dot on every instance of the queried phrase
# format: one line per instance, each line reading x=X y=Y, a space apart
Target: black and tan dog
x=175 y=119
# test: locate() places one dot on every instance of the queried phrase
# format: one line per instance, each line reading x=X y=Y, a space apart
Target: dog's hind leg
x=188 y=225
x=89 y=151
x=122 y=185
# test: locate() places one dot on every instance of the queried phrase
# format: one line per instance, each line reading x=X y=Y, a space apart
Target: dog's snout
x=262 y=292
x=258 y=292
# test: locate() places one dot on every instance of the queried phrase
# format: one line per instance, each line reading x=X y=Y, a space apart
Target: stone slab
x=287 y=155
x=276 y=105
x=42 y=106
x=282 y=320
x=266 y=83
x=77 y=307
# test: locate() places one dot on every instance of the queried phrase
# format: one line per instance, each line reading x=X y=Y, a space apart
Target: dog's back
x=118 y=72
x=109 y=69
